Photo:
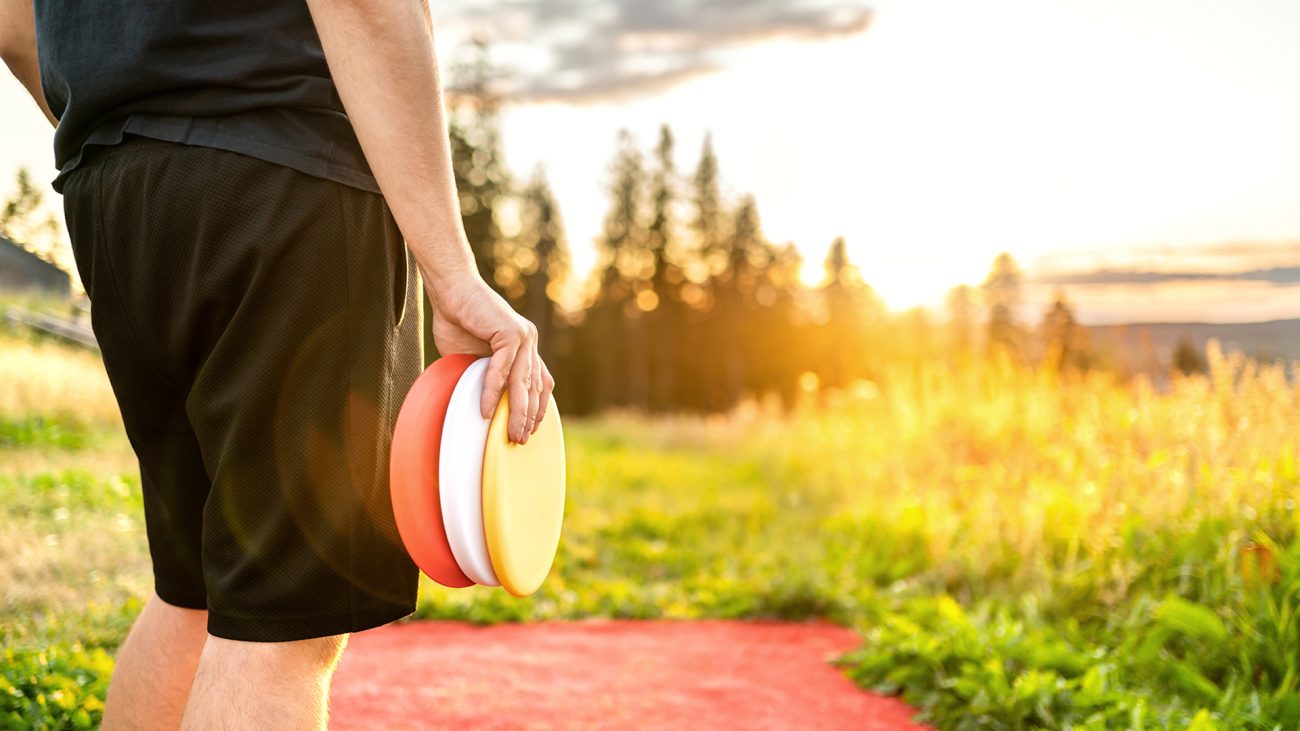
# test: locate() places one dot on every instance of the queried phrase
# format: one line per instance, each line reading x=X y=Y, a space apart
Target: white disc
x=460 y=476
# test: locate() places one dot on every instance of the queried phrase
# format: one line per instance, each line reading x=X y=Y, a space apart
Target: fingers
x=494 y=382
x=534 y=393
x=521 y=379
x=544 y=397
x=516 y=368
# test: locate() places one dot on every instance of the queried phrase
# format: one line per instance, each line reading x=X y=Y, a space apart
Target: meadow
x=1019 y=548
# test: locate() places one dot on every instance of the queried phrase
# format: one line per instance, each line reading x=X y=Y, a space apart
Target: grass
x=1019 y=550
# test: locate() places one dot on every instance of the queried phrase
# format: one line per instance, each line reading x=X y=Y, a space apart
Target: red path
x=642 y=675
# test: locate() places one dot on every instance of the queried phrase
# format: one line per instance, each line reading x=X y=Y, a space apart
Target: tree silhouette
x=481 y=176
x=777 y=350
x=664 y=320
x=961 y=317
x=851 y=308
x=1064 y=341
x=1187 y=359
x=541 y=260
x=1002 y=296
x=23 y=222
x=703 y=328
x=615 y=334
x=746 y=254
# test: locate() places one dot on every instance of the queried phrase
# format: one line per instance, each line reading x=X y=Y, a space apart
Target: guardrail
x=65 y=328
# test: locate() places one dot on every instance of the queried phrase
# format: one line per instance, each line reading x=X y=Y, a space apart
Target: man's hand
x=469 y=317
x=380 y=54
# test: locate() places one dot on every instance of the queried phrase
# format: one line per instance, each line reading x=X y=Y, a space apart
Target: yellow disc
x=523 y=500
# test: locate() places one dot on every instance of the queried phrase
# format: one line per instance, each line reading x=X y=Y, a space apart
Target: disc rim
x=414 y=472
x=460 y=472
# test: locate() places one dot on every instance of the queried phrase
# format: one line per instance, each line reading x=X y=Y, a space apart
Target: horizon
x=1153 y=183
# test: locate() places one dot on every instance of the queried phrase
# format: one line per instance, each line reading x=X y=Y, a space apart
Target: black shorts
x=260 y=328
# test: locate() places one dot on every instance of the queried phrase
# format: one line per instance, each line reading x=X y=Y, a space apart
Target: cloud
x=1266 y=262
x=593 y=50
x=1274 y=275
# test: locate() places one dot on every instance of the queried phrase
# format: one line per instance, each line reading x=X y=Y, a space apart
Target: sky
x=1141 y=157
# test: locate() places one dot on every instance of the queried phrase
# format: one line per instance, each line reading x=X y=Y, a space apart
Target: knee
x=324 y=651
x=311 y=657
x=279 y=684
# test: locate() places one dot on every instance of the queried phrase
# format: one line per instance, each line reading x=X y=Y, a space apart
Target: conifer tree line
x=690 y=306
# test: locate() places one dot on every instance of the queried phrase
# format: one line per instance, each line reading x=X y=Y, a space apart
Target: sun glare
x=948 y=132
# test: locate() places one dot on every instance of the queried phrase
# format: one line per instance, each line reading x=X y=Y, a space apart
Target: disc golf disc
x=413 y=470
x=523 y=499
x=460 y=475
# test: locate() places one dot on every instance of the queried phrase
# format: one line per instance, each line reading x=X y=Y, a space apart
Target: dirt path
x=642 y=675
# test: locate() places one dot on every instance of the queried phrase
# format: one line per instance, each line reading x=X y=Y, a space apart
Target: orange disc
x=413 y=470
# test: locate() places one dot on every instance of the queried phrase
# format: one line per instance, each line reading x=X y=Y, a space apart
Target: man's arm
x=380 y=54
x=18 y=49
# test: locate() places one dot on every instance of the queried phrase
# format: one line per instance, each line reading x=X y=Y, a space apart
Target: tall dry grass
x=1030 y=475
x=48 y=380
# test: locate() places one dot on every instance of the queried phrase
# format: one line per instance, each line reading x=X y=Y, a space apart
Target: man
x=238 y=179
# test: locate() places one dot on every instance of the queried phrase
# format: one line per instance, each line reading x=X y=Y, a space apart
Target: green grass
x=61 y=687
x=1018 y=552
x=38 y=431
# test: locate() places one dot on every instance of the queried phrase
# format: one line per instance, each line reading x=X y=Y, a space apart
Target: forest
x=690 y=307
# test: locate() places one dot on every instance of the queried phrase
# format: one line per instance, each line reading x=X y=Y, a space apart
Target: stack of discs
x=472 y=507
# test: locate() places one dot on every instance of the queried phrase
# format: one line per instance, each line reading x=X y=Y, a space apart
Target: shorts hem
x=251 y=629
x=179 y=598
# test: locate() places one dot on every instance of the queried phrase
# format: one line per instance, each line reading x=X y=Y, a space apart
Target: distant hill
x=1261 y=340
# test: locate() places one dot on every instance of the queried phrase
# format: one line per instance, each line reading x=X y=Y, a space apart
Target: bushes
x=1168 y=664
x=1021 y=550
x=60 y=687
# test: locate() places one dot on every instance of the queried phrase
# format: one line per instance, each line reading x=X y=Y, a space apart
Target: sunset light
x=919 y=365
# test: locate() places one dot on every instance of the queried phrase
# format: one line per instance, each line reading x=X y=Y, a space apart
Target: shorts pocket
x=401 y=266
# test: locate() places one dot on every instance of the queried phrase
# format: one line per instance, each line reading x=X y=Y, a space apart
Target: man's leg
x=276 y=347
x=155 y=668
x=263 y=685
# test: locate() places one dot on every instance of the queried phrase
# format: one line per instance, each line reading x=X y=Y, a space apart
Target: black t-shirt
x=242 y=75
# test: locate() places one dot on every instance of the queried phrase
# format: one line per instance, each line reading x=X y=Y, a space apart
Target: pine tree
x=1064 y=342
x=481 y=177
x=615 y=334
x=623 y=238
x=961 y=318
x=702 y=353
x=1002 y=295
x=664 y=321
x=735 y=288
x=1187 y=359
x=842 y=332
x=23 y=222
x=543 y=262
x=775 y=352
x=707 y=200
